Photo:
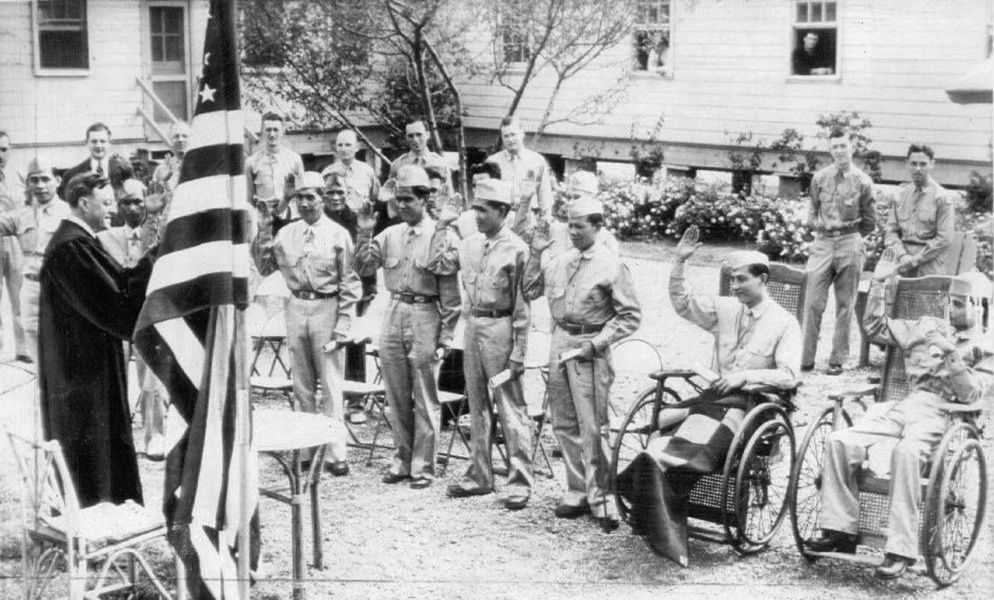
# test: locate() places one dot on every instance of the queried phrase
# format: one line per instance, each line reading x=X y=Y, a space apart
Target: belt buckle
x=418 y=298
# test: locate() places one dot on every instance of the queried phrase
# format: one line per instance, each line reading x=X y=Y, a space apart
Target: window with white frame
x=514 y=33
x=652 y=37
x=62 y=34
x=815 y=38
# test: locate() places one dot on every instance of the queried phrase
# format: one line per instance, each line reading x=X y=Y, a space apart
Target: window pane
x=830 y=11
x=173 y=19
x=815 y=12
x=62 y=49
x=802 y=12
x=157 y=50
x=173 y=95
x=174 y=47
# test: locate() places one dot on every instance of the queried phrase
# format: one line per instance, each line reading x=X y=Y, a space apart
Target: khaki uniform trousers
x=153 y=399
x=579 y=411
x=407 y=355
x=309 y=326
x=488 y=344
x=835 y=262
x=11 y=264
x=30 y=296
x=918 y=425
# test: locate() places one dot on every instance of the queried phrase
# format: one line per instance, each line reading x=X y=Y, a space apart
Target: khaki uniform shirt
x=842 y=200
x=314 y=258
x=529 y=176
x=491 y=270
x=267 y=173
x=42 y=221
x=592 y=287
x=361 y=184
x=428 y=159
x=763 y=343
x=402 y=251
x=924 y=219
x=952 y=378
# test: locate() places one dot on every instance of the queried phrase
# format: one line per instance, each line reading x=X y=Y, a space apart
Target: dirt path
x=393 y=542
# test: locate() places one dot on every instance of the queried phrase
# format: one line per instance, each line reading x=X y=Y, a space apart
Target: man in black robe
x=88 y=305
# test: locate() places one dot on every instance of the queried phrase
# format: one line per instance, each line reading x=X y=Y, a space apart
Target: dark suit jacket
x=117 y=166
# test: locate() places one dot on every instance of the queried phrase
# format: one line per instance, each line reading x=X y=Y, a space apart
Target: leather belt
x=491 y=314
x=312 y=295
x=414 y=298
x=31 y=276
x=578 y=328
x=839 y=232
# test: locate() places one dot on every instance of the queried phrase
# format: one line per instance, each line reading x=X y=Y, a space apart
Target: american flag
x=189 y=330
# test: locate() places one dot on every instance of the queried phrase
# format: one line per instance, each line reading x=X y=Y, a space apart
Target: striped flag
x=189 y=330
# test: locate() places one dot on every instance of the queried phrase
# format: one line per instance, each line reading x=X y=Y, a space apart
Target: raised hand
x=689 y=243
x=540 y=239
x=886 y=266
x=366 y=218
x=447 y=214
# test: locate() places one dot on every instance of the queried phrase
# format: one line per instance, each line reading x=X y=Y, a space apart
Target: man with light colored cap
x=419 y=154
x=526 y=172
x=593 y=304
x=417 y=328
x=756 y=343
x=40 y=218
x=896 y=436
x=127 y=244
x=580 y=185
x=315 y=256
x=491 y=263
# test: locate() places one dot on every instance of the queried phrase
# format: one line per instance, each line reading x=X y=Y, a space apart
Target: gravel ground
x=393 y=542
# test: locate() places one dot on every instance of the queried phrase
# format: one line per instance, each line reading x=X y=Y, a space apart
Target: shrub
x=664 y=209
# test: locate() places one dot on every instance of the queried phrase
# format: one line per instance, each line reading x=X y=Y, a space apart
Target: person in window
x=810 y=58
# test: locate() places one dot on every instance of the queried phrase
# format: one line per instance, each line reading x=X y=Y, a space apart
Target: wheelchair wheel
x=632 y=435
x=955 y=504
x=761 y=484
x=804 y=493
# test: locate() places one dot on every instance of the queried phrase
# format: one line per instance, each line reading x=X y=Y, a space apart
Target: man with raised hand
x=417 y=328
x=314 y=255
x=593 y=305
x=491 y=264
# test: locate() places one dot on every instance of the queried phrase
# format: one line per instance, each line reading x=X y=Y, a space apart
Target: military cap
x=583 y=207
x=40 y=165
x=582 y=182
x=491 y=190
x=745 y=258
x=411 y=177
x=310 y=179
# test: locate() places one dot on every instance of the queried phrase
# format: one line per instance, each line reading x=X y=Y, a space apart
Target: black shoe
x=607 y=524
x=339 y=468
x=516 y=502
x=457 y=491
x=806 y=368
x=832 y=541
x=568 y=511
x=389 y=477
x=24 y=358
x=420 y=483
x=894 y=566
x=833 y=370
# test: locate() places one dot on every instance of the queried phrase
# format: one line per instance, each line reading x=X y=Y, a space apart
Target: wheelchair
x=954 y=481
x=745 y=503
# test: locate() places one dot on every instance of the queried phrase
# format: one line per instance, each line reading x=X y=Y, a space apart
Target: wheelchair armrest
x=666 y=373
x=858 y=391
x=956 y=408
x=761 y=388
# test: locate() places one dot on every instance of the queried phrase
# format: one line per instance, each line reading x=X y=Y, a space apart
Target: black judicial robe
x=88 y=306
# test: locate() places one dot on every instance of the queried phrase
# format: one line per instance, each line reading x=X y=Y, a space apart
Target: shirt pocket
x=391 y=263
x=849 y=203
x=758 y=353
x=493 y=286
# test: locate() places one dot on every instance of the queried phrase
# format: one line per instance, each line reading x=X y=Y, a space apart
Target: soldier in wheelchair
x=757 y=350
x=938 y=359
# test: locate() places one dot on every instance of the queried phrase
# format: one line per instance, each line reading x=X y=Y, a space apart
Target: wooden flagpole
x=242 y=401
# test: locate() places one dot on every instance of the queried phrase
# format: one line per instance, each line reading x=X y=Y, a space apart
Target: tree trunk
x=460 y=128
x=425 y=89
x=547 y=115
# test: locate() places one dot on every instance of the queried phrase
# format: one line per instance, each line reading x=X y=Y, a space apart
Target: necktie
x=100 y=168
x=3 y=176
x=309 y=235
